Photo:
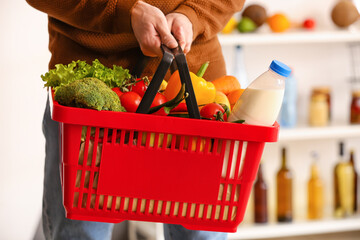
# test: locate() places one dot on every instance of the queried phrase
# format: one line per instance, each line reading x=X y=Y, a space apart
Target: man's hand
x=151 y=29
x=181 y=28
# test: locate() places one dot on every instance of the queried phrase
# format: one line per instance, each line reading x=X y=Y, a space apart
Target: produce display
x=343 y=14
x=256 y=13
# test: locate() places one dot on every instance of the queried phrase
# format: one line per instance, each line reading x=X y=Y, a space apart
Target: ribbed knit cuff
x=190 y=13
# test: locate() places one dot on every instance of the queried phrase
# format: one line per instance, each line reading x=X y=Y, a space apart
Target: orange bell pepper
x=205 y=91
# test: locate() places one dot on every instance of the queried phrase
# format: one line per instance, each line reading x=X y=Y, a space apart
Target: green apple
x=246 y=25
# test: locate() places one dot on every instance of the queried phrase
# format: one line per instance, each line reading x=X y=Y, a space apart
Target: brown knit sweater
x=101 y=29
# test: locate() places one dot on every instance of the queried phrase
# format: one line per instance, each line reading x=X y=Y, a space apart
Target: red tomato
x=309 y=23
x=130 y=101
x=140 y=88
x=180 y=108
x=158 y=100
x=211 y=111
x=117 y=91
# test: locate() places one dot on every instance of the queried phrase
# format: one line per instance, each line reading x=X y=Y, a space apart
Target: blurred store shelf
x=251 y=231
x=333 y=131
x=265 y=37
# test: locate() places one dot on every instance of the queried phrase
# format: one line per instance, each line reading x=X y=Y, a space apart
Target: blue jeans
x=56 y=226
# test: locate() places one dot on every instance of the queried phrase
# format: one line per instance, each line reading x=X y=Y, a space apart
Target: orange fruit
x=226 y=84
x=279 y=22
x=234 y=95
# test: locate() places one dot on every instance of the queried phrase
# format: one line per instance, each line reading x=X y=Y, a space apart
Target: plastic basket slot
x=163 y=208
x=112 y=203
x=216 y=212
x=167 y=208
x=159 y=205
x=135 y=204
x=83 y=159
x=180 y=209
x=176 y=208
x=188 y=210
x=122 y=137
x=209 y=214
x=205 y=215
x=147 y=207
x=143 y=205
x=139 y=205
x=107 y=203
x=197 y=210
x=172 y=208
x=132 y=205
x=226 y=215
x=173 y=142
x=117 y=204
x=238 y=159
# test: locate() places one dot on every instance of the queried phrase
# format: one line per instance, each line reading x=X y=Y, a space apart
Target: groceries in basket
x=97 y=87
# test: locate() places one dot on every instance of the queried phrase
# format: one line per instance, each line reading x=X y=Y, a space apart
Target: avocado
x=344 y=13
x=256 y=13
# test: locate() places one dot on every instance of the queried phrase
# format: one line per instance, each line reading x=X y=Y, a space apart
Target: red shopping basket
x=128 y=166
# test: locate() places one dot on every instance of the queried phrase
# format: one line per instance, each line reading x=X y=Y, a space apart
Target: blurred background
x=322 y=56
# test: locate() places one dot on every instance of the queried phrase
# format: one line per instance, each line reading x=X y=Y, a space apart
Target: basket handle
x=166 y=61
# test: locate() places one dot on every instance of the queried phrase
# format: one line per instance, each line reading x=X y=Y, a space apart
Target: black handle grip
x=166 y=62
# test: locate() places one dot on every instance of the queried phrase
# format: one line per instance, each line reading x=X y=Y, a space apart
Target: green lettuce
x=65 y=74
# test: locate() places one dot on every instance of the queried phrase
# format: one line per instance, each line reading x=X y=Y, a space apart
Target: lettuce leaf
x=65 y=74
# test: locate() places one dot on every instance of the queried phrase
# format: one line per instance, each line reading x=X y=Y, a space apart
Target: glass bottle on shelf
x=318 y=110
x=352 y=162
x=315 y=191
x=260 y=198
x=324 y=90
x=355 y=107
x=288 y=112
x=343 y=186
x=284 y=191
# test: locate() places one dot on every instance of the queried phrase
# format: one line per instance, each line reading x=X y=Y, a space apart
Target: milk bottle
x=261 y=101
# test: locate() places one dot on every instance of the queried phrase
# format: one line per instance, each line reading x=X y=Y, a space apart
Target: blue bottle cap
x=280 y=68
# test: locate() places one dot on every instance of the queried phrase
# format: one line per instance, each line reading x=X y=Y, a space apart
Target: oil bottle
x=284 y=191
x=356 y=176
x=315 y=191
x=260 y=198
x=343 y=186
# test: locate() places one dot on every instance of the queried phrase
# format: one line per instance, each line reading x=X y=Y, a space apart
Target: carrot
x=226 y=84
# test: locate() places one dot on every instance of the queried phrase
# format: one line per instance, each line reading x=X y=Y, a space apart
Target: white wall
x=24 y=57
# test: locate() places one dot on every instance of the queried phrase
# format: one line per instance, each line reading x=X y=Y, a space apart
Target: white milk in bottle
x=261 y=101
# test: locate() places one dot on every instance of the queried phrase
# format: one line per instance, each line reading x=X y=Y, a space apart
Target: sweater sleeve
x=209 y=16
x=108 y=16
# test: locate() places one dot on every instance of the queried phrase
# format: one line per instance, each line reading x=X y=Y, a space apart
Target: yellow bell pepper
x=205 y=92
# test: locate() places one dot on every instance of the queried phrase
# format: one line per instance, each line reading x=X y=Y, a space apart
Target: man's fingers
x=151 y=46
x=180 y=36
x=165 y=35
